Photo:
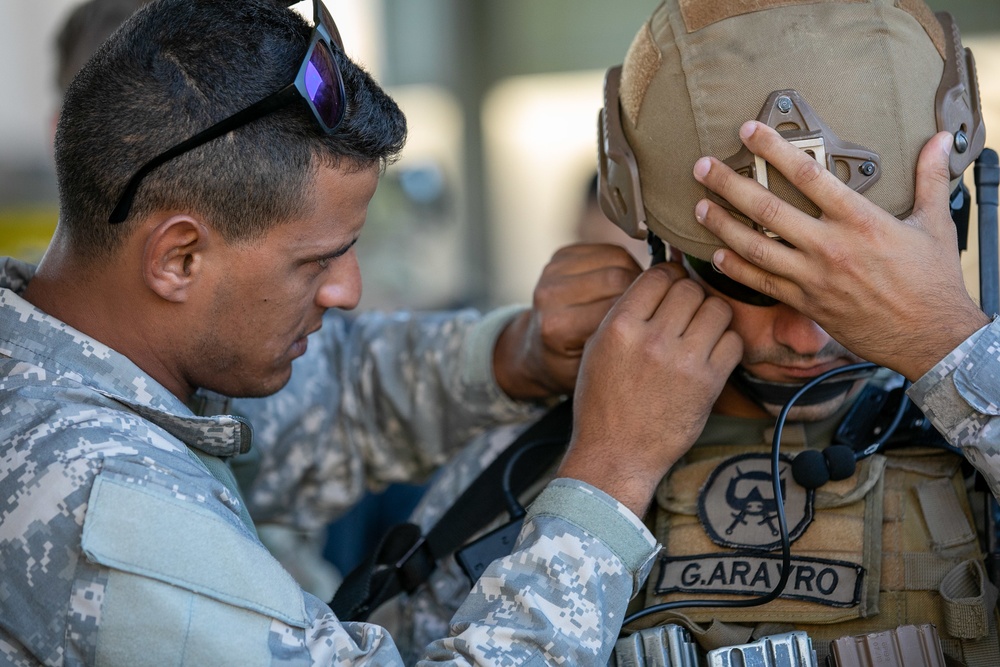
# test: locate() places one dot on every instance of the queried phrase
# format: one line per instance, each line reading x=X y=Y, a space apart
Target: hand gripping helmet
x=859 y=84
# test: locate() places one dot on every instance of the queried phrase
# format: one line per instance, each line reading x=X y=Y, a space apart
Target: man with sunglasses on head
x=215 y=161
x=802 y=107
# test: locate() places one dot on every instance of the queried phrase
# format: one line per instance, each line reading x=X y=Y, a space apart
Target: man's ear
x=174 y=256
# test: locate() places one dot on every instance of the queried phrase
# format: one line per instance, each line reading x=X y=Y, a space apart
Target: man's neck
x=77 y=301
x=102 y=308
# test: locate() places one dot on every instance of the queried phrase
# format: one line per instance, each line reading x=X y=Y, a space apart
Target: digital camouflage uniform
x=961 y=396
x=349 y=421
x=124 y=540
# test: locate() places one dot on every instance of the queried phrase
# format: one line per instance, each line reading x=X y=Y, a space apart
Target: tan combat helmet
x=860 y=84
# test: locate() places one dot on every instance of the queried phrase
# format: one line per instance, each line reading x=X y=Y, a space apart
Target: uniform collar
x=51 y=346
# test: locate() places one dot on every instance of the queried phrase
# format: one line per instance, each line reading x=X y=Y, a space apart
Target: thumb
x=933 y=185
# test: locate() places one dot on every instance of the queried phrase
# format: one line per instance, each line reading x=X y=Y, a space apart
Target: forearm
x=385 y=398
x=420 y=392
x=961 y=397
x=562 y=594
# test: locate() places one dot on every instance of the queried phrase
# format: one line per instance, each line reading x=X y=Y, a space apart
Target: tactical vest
x=894 y=544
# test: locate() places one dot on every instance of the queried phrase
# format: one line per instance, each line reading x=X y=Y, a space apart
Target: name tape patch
x=833 y=583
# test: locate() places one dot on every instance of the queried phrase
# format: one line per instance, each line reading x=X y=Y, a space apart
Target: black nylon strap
x=404 y=558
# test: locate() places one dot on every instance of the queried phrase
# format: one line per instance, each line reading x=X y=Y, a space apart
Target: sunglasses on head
x=318 y=83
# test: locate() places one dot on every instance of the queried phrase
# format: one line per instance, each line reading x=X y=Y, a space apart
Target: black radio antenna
x=987 y=178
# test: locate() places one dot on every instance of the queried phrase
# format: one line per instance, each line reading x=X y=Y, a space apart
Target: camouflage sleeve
x=381 y=398
x=552 y=600
x=961 y=397
x=215 y=597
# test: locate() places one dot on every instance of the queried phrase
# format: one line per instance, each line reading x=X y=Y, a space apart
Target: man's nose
x=797 y=332
x=342 y=287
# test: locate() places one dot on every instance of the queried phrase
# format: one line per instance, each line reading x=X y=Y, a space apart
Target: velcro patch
x=834 y=583
x=697 y=14
x=738 y=508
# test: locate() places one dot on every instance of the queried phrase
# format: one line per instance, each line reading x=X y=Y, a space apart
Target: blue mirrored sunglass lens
x=322 y=83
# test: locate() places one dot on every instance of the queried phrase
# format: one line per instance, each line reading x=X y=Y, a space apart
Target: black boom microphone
x=813 y=468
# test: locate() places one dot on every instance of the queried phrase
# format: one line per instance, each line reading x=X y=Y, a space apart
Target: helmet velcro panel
x=698 y=14
x=925 y=17
x=641 y=62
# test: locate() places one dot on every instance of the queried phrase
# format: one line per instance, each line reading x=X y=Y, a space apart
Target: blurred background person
x=27 y=203
x=85 y=27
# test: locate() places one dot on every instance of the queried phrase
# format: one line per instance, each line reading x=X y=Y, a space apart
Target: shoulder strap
x=405 y=558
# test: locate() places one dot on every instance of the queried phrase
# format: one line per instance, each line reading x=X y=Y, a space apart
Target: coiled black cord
x=786 y=555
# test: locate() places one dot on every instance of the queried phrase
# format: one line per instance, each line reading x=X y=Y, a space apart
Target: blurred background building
x=502 y=98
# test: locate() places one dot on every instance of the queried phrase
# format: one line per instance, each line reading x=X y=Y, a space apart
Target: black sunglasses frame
x=726 y=285
x=324 y=35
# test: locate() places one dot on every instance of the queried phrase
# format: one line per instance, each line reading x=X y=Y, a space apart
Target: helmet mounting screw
x=961 y=142
x=867 y=168
x=784 y=104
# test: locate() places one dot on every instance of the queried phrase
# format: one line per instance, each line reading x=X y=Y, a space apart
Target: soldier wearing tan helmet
x=862 y=89
x=859 y=87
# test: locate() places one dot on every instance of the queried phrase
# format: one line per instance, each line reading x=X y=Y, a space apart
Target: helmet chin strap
x=765 y=392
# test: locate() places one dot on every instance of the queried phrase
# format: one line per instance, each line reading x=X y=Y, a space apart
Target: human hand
x=538 y=354
x=649 y=378
x=889 y=290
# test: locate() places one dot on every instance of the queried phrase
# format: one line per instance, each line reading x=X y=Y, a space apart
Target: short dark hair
x=176 y=67
x=85 y=28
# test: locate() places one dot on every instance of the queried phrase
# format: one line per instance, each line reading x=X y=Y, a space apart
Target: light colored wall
x=27 y=62
x=27 y=30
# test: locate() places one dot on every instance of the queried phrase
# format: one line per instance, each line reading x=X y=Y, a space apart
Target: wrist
x=511 y=363
x=630 y=482
x=947 y=339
